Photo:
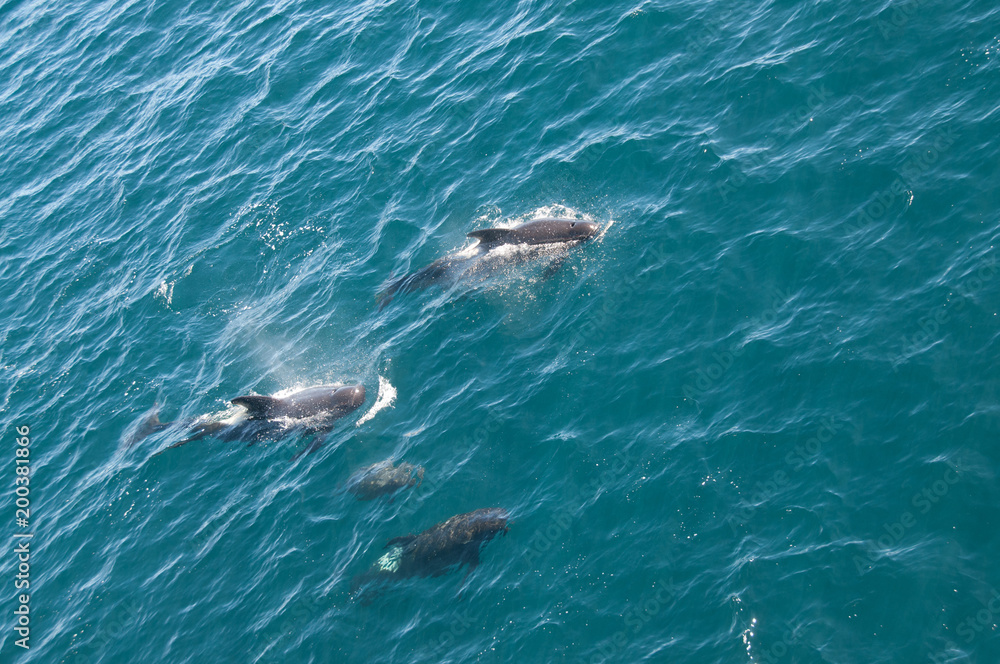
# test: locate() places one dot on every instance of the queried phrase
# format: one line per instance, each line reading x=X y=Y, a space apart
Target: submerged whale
x=438 y=550
x=537 y=233
x=309 y=412
x=383 y=478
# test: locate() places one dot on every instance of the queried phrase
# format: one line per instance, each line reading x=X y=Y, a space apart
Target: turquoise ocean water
x=755 y=421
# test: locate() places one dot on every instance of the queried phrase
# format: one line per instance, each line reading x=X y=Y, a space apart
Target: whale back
x=538 y=231
x=337 y=400
x=259 y=407
x=493 y=236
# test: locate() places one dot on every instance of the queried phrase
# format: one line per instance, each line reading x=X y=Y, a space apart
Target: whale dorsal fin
x=404 y=540
x=490 y=235
x=259 y=406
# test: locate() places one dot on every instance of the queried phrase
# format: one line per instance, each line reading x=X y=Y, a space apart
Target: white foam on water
x=605 y=227
x=298 y=387
x=386 y=397
x=166 y=291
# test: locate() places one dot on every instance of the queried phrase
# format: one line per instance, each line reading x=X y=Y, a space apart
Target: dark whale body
x=383 y=478
x=535 y=233
x=438 y=550
x=310 y=412
x=336 y=400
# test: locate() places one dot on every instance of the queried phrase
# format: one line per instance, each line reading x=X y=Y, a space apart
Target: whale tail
x=197 y=433
x=311 y=447
x=150 y=425
x=368 y=586
x=440 y=270
x=384 y=297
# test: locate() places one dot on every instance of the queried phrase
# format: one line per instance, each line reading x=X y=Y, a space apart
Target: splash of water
x=386 y=397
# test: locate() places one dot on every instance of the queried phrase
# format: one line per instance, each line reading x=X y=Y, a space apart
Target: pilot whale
x=438 y=550
x=382 y=479
x=311 y=412
x=536 y=233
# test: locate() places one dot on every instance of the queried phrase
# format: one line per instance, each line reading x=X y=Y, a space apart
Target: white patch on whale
x=390 y=561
